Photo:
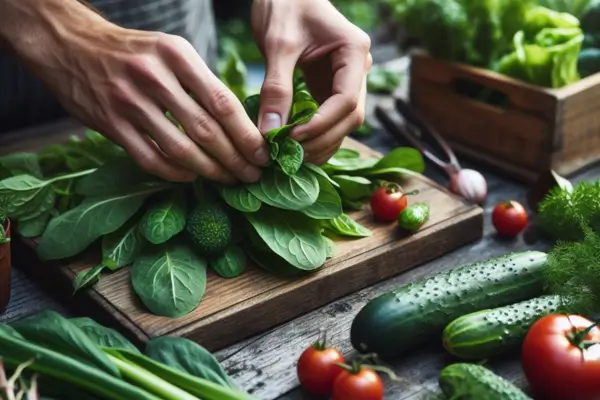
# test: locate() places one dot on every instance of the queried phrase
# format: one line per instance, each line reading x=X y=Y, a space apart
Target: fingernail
x=262 y=157
x=270 y=121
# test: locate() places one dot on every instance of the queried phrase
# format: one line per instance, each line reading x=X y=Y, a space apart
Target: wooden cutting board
x=234 y=309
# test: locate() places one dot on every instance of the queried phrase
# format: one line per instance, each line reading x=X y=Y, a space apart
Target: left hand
x=334 y=56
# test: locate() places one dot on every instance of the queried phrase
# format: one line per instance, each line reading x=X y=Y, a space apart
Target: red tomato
x=317 y=370
x=557 y=364
x=388 y=202
x=362 y=385
x=509 y=218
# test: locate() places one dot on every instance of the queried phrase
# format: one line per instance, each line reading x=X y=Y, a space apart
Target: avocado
x=209 y=229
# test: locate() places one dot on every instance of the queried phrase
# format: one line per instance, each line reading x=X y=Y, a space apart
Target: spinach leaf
x=316 y=170
x=353 y=187
x=349 y=164
x=345 y=153
x=290 y=156
x=165 y=218
x=41 y=202
x=346 y=226
x=121 y=247
x=252 y=106
x=88 y=278
x=170 y=279
x=271 y=262
x=49 y=329
x=294 y=237
x=401 y=157
x=303 y=108
x=231 y=263
x=240 y=198
x=328 y=204
x=355 y=205
x=33 y=227
x=72 y=232
x=101 y=335
x=382 y=80
x=116 y=175
x=289 y=192
x=189 y=357
x=22 y=164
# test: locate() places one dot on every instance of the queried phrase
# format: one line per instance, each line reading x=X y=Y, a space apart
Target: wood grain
x=536 y=130
x=234 y=309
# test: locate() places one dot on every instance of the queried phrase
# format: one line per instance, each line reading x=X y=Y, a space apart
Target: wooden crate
x=534 y=130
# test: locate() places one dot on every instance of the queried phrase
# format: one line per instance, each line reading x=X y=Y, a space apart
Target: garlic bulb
x=469 y=184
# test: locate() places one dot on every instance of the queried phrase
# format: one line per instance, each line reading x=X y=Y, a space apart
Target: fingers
x=350 y=65
x=320 y=149
x=208 y=135
x=149 y=157
x=218 y=101
x=277 y=91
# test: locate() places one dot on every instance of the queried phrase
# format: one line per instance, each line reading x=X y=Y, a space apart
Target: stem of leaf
x=74 y=175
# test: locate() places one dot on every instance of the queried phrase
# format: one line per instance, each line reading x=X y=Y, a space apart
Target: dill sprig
x=562 y=213
x=573 y=272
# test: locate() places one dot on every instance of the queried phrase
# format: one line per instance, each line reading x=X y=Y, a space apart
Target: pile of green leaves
x=515 y=37
x=571 y=217
x=94 y=194
x=79 y=359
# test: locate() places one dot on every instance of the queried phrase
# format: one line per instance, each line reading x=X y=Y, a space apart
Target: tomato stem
x=321 y=342
x=358 y=364
x=577 y=338
x=392 y=187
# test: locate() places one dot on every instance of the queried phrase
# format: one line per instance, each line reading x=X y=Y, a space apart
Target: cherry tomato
x=559 y=363
x=364 y=384
x=388 y=201
x=317 y=370
x=509 y=218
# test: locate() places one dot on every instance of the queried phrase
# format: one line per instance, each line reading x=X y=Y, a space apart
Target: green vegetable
x=169 y=279
x=188 y=357
x=414 y=217
x=209 y=229
x=101 y=335
x=474 y=382
x=492 y=332
x=590 y=18
x=230 y=264
x=164 y=219
x=550 y=60
x=588 y=62
x=418 y=312
x=232 y=70
x=539 y=18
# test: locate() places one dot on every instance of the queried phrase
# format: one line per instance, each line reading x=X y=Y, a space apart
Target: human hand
x=334 y=57
x=120 y=82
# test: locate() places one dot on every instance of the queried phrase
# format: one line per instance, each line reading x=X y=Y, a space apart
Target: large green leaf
x=101 y=335
x=165 y=218
x=72 y=232
x=169 y=279
x=328 y=204
x=293 y=236
x=289 y=192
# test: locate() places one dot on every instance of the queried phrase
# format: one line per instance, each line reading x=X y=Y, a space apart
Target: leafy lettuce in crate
x=546 y=49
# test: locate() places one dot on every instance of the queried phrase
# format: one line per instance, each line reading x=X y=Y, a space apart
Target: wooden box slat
x=539 y=129
x=233 y=309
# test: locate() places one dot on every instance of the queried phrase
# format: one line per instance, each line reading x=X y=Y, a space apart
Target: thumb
x=277 y=92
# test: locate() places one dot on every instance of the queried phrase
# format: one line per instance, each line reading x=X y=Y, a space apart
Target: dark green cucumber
x=489 y=333
x=418 y=312
x=474 y=382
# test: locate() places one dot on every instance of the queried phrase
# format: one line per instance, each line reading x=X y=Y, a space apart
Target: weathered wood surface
x=265 y=363
x=234 y=309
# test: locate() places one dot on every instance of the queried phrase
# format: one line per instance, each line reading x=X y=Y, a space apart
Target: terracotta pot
x=5 y=271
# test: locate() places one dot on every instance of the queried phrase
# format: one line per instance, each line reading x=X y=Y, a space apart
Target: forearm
x=33 y=29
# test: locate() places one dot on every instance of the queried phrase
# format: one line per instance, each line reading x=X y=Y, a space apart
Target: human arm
x=121 y=81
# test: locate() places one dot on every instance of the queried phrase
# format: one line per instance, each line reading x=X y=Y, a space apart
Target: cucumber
x=489 y=333
x=416 y=313
x=474 y=382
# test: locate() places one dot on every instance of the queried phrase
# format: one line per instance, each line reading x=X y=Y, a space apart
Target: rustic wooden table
x=265 y=363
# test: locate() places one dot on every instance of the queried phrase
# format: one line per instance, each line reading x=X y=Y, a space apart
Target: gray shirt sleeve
x=25 y=101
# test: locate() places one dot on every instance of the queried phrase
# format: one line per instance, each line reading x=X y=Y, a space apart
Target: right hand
x=120 y=82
